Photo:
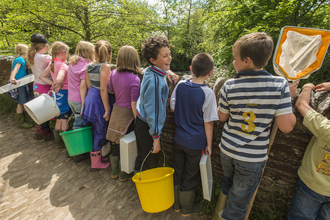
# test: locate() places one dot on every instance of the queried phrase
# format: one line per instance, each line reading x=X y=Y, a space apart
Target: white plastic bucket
x=42 y=108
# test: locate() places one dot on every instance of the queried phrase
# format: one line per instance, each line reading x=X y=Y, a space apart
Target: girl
x=38 y=61
x=125 y=84
x=58 y=71
x=98 y=104
x=84 y=54
x=19 y=71
x=77 y=89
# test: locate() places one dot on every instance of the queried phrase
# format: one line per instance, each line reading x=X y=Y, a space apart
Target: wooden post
x=271 y=141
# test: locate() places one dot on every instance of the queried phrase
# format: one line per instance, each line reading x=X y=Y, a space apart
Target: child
x=125 y=84
x=151 y=105
x=38 y=61
x=19 y=71
x=58 y=71
x=311 y=199
x=252 y=99
x=98 y=103
x=84 y=54
x=195 y=109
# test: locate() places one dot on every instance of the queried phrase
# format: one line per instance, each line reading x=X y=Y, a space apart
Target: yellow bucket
x=155 y=189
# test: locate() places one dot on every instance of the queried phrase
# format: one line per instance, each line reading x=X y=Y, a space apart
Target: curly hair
x=152 y=45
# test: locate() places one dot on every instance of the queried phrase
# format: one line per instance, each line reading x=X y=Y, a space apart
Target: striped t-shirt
x=251 y=99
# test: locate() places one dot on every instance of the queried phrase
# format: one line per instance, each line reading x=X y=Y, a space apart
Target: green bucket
x=78 y=141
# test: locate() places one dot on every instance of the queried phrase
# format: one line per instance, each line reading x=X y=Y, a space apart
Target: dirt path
x=39 y=182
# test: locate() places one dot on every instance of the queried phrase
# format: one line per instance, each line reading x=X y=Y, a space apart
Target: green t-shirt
x=315 y=168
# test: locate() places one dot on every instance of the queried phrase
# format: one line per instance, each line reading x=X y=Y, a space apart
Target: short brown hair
x=128 y=60
x=152 y=45
x=202 y=64
x=258 y=46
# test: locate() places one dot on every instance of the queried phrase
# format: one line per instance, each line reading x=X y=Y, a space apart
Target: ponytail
x=32 y=50
x=52 y=64
x=103 y=51
x=57 y=47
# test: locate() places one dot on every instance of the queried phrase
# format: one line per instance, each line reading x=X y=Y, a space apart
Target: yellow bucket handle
x=145 y=160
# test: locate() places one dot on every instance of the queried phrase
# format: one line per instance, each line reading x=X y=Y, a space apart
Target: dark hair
x=202 y=64
x=258 y=46
x=152 y=46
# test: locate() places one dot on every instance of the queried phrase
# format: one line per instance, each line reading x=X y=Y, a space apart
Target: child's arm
x=323 y=87
x=133 y=105
x=83 y=93
x=285 y=122
x=88 y=81
x=171 y=75
x=208 y=126
x=43 y=77
x=60 y=79
x=222 y=116
x=302 y=103
x=13 y=73
x=104 y=80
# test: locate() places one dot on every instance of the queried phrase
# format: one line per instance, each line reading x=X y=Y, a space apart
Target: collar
x=158 y=71
x=253 y=73
x=56 y=59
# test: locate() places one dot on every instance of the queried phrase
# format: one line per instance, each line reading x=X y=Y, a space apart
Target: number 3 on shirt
x=249 y=120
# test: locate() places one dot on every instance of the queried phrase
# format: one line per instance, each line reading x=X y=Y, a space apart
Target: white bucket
x=42 y=108
x=128 y=152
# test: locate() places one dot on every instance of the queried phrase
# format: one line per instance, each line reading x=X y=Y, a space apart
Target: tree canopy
x=192 y=26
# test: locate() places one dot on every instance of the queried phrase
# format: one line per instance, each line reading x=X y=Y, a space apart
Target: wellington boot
x=114 y=160
x=96 y=162
x=58 y=139
x=221 y=205
x=20 y=121
x=27 y=118
x=123 y=176
x=46 y=134
x=176 y=205
x=188 y=204
x=37 y=134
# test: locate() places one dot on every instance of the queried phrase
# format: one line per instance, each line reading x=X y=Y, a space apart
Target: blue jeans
x=308 y=205
x=239 y=183
x=76 y=108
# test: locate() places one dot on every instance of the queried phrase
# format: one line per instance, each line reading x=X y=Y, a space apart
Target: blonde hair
x=85 y=50
x=103 y=50
x=20 y=49
x=128 y=60
x=32 y=50
x=57 y=47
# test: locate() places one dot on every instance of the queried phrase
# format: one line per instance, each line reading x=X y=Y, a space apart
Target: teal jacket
x=151 y=105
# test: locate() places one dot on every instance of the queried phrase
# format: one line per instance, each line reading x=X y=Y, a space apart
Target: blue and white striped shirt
x=251 y=99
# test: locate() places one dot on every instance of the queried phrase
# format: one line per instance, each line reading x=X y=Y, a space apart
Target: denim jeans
x=239 y=183
x=76 y=108
x=307 y=204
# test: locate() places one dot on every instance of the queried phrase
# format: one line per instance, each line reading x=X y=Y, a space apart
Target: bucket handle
x=54 y=97
x=145 y=160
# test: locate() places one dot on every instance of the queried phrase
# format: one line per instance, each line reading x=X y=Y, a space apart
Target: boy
x=252 y=99
x=195 y=110
x=151 y=105
x=312 y=197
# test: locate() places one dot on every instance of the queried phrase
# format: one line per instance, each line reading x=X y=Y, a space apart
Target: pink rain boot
x=96 y=162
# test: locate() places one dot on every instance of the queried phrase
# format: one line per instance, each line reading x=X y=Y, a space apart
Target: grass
x=7 y=104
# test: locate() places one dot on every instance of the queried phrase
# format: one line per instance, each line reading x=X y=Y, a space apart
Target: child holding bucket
x=77 y=89
x=151 y=105
x=125 y=84
x=98 y=103
x=38 y=61
x=19 y=71
x=58 y=71
x=193 y=132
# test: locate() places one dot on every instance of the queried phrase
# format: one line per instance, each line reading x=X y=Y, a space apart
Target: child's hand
x=293 y=88
x=208 y=151
x=309 y=86
x=106 y=115
x=81 y=110
x=323 y=87
x=156 y=146
x=171 y=75
x=13 y=81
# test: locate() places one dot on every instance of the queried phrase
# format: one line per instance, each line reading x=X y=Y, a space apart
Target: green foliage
x=7 y=104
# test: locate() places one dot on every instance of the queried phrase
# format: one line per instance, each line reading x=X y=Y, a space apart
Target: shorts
x=23 y=95
x=39 y=89
x=65 y=115
x=62 y=101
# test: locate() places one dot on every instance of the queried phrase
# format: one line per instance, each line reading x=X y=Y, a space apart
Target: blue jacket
x=151 y=105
